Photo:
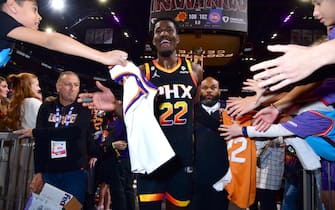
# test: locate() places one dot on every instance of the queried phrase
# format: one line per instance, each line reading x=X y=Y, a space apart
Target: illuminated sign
x=209 y=49
x=200 y=55
x=203 y=14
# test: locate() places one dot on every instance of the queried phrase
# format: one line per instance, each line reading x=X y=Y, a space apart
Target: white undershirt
x=211 y=109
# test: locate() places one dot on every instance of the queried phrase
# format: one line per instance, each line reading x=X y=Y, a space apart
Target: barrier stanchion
x=312 y=190
x=16 y=168
x=307 y=190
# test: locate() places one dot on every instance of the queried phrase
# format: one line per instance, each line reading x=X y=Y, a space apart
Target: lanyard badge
x=59 y=148
x=67 y=117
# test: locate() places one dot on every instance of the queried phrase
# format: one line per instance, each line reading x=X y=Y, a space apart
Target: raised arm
x=295 y=64
x=266 y=116
x=237 y=106
x=235 y=130
x=61 y=43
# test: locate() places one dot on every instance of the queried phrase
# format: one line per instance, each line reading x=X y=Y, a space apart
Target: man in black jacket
x=63 y=136
x=211 y=159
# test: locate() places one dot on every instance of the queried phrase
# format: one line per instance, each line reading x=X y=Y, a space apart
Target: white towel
x=220 y=185
x=148 y=146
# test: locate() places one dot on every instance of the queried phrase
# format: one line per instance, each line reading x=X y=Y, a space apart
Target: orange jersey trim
x=189 y=67
x=176 y=202
x=147 y=71
x=151 y=197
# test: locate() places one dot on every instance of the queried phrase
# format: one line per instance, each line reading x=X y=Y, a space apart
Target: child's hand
x=115 y=57
x=264 y=118
x=230 y=131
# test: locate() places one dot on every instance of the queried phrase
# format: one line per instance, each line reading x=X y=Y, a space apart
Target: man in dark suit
x=211 y=159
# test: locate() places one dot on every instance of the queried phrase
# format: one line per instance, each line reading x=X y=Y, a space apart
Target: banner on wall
x=230 y=15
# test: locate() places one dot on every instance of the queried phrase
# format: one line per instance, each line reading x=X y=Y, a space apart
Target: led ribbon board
x=228 y=15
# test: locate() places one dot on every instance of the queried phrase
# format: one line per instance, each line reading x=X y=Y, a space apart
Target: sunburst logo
x=181 y=17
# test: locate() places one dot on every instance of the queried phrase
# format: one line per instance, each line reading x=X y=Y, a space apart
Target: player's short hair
x=165 y=19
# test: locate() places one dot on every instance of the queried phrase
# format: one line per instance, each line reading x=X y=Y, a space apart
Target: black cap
x=2 y=1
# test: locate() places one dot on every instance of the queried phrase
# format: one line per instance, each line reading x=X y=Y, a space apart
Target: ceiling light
x=126 y=34
x=58 y=5
x=49 y=30
x=274 y=36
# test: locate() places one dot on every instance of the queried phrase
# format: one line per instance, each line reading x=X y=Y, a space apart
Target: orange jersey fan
x=242 y=163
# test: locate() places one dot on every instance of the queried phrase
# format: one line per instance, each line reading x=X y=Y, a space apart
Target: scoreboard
x=228 y=15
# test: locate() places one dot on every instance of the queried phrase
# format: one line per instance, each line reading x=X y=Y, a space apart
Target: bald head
x=68 y=86
x=209 y=91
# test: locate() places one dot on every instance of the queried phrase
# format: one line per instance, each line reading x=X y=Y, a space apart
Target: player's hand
x=102 y=100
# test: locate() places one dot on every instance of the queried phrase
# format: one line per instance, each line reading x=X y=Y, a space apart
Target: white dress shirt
x=211 y=109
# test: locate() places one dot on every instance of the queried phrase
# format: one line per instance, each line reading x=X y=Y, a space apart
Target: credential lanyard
x=67 y=118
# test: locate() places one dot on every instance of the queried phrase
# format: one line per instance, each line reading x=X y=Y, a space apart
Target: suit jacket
x=211 y=159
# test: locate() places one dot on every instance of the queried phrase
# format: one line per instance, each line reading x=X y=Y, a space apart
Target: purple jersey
x=331 y=34
x=310 y=123
x=325 y=176
x=326 y=91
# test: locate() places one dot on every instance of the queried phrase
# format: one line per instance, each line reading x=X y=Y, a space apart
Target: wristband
x=276 y=108
x=244 y=131
x=113 y=146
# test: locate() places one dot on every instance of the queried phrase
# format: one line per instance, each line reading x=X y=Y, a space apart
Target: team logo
x=181 y=17
x=183 y=70
x=155 y=74
x=225 y=19
x=214 y=16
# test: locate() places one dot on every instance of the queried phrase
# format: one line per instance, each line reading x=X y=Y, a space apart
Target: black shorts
x=172 y=182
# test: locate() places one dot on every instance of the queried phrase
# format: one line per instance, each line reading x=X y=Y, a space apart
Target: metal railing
x=16 y=170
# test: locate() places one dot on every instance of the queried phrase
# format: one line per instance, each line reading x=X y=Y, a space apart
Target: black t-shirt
x=77 y=136
x=7 y=24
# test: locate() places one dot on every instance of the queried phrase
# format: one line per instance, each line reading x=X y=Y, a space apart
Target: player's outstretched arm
x=102 y=100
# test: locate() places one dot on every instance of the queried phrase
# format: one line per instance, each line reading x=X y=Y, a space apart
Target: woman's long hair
x=21 y=88
x=4 y=105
